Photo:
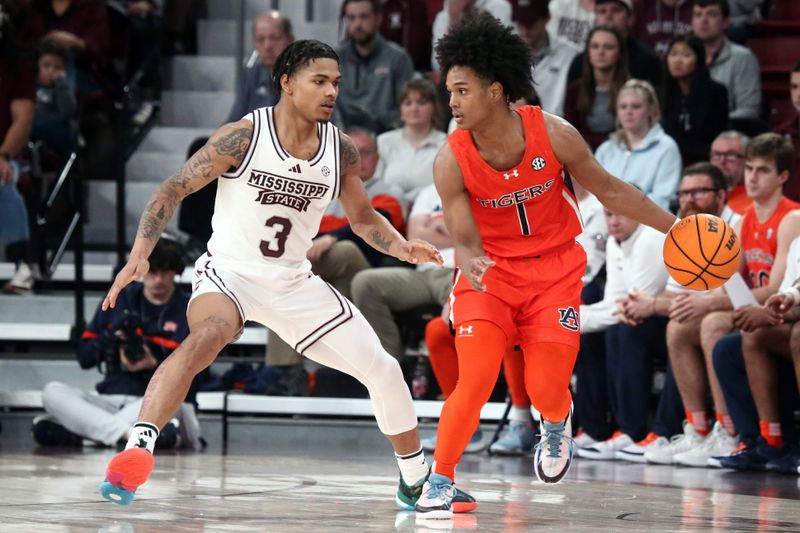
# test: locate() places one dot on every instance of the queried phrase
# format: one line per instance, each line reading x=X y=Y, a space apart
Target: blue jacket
x=162 y=333
x=654 y=167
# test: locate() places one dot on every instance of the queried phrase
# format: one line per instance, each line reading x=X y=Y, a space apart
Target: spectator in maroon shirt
x=791 y=129
x=658 y=21
x=406 y=23
x=80 y=26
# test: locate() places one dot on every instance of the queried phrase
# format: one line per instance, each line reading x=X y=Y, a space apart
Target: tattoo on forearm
x=350 y=155
x=380 y=242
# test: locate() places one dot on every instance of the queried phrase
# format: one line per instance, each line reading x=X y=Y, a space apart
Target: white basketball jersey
x=269 y=209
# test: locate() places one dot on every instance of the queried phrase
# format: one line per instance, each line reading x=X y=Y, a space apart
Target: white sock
x=143 y=435
x=413 y=467
x=520 y=414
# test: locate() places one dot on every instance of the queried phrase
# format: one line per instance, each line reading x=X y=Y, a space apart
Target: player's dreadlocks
x=297 y=55
x=482 y=43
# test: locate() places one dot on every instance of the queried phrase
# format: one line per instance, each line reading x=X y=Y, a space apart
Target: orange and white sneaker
x=635 y=452
x=608 y=448
x=126 y=472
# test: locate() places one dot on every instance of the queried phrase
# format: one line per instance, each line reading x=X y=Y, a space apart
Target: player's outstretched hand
x=778 y=305
x=475 y=270
x=134 y=270
x=416 y=252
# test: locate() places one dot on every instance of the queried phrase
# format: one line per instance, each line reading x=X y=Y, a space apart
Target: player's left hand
x=778 y=305
x=753 y=317
x=416 y=252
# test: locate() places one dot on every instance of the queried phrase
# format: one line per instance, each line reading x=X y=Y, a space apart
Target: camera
x=129 y=337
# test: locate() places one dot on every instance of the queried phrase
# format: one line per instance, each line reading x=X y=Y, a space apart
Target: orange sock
x=727 y=423
x=514 y=369
x=480 y=345
x=771 y=431
x=442 y=350
x=699 y=421
x=548 y=370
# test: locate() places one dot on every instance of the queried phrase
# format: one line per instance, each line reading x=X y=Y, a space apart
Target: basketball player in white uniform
x=278 y=169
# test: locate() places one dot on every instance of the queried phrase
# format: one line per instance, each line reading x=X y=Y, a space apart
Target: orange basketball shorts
x=536 y=298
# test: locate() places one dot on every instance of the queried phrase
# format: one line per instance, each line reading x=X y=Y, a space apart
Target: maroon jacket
x=656 y=23
x=17 y=82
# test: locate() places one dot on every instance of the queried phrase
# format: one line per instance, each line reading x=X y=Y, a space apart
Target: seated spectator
x=658 y=22
x=373 y=70
x=766 y=230
x=790 y=128
x=572 y=20
x=407 y=153
x=405 y=22
x=643 y=63
x=127 y=343
x=454 y=10
x=591 y=100
x=56 y=108
x=337 y=254
x=730 y=64
x=640 y=152
x=81 y=27
x=272 y=33
x=631 y=350
x=17 y=94
x=727 y=154
x=552 y=54
x=703 y=189
x=380 y=291
x=694 y=106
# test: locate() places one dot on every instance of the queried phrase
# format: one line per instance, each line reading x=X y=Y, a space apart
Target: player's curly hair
x=298 y=55
x=481 y=42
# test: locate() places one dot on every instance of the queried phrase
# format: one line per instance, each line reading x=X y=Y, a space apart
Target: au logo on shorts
x=538 y=163
x=569 y=318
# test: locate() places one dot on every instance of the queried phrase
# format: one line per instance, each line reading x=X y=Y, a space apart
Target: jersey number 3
x=276 y=245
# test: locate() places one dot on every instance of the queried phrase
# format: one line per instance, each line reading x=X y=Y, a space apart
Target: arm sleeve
x=747 y=88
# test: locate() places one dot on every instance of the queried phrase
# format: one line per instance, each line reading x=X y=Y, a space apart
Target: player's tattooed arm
x=350 y=157
x=225 y=149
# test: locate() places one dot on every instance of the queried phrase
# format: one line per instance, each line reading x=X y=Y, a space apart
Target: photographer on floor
x=126 y=343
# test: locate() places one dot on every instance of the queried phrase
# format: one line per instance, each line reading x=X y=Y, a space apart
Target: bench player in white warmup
x=278 y=169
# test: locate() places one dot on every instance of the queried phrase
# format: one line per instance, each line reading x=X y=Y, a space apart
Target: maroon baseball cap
x=527 y=12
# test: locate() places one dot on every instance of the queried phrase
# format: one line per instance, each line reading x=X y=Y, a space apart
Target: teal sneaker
x=553 y=455
x=518 y=440
x=436 y=500
x=407 y=497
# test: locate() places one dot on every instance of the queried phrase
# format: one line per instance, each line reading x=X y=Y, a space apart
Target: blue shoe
x=553 y=455
x=518 y=440
x=752 y=457
x=786 y=464
x=436 y=500
x=408 y=495
x=116 y=494
x=475 y=443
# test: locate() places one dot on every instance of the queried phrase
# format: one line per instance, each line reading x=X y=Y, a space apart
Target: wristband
x=794 y=292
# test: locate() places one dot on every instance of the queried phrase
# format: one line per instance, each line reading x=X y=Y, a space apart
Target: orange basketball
x=701 y=252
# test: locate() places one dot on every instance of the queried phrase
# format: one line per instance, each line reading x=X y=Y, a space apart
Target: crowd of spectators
x=668 y=95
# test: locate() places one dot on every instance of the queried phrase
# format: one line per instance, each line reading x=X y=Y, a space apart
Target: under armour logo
x=569 y=318
x=538 y=163
x=513 y=174
x=295 y=168
x=465 y=331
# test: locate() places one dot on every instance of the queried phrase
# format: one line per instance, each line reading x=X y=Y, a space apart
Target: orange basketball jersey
x=526 y=210
x=760 y=242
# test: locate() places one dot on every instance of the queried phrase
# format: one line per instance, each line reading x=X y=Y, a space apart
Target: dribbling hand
x=475 y=270
x=416 y=252
x=134 y=270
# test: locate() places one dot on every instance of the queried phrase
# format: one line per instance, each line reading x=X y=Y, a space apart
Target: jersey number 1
x=275 y=246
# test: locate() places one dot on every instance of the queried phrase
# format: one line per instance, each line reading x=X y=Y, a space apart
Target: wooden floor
x=320 y=476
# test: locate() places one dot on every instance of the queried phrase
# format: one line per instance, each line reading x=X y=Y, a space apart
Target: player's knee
x=385 y=372
x=53 y=394
x=682 y=333
x=203 y=345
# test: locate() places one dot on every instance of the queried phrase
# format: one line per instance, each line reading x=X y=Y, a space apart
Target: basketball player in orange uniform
x=503 y=180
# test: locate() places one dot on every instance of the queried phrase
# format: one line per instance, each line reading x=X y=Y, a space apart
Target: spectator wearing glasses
x=640 y=152
x=703 y=189
x=695 y=106
x=727 y=154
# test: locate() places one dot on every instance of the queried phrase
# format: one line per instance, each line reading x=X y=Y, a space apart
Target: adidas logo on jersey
x=295 y=168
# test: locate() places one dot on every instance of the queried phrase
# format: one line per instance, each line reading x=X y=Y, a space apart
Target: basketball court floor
x=320 y=476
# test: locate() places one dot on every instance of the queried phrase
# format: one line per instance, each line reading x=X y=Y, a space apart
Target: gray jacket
x=370 y=85
x=736 y=67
